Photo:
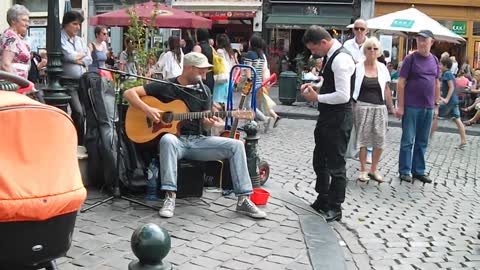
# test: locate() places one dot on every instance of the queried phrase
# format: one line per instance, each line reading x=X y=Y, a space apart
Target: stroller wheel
x=263 y=171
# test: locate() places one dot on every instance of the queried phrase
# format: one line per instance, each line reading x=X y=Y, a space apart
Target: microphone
x=200 y=82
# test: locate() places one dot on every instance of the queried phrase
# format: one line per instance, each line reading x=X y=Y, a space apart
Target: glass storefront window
x=476 y=29
x=476 y=55
x=34 y=5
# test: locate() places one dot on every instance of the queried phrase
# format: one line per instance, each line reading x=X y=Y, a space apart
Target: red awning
x=166 y=17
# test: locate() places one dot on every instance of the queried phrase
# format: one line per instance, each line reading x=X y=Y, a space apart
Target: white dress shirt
x=343 y=68
x=355 y=50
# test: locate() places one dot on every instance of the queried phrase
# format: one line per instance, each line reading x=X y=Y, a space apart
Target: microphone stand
x=116 y=193
x=122 y=73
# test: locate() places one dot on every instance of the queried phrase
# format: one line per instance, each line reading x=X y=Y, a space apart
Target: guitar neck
x=200 y=115
x=233 y=130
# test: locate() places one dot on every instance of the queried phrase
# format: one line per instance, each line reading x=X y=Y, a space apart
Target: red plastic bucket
x=259 y=196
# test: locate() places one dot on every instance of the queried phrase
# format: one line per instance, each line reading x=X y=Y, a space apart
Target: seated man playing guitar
x=190 y=143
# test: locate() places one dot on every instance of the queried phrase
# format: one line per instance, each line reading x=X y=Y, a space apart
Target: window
x=476 y=55
x=476 y=29
x=34 y=5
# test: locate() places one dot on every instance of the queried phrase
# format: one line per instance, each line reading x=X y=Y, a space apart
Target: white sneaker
x=250 y=209
x=168 y=208
x=267 y=123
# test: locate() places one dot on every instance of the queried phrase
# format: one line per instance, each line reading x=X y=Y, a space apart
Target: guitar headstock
x=247 y=88
x=249 y=115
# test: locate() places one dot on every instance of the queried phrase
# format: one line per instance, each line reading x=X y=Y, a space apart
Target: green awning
x=304 y=21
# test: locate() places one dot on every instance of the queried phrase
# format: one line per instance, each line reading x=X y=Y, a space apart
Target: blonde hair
x=476 y=74
x=372 y=42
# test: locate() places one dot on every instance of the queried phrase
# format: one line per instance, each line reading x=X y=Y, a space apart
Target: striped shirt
x=252 y=59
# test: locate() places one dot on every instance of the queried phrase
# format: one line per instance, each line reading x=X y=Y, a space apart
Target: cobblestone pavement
x=393 y=225
x=206 y=234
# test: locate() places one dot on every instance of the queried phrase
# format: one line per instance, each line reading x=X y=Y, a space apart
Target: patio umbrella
x=410 y=21
x=166 y=17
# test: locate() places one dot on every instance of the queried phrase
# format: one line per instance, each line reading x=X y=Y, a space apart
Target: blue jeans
x=203 y=148
x=416 y=125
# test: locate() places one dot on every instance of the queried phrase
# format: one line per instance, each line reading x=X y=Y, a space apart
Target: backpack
x=110 y=153
x=218 y=64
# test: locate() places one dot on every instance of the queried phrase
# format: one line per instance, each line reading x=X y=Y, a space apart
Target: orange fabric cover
x=39 y=173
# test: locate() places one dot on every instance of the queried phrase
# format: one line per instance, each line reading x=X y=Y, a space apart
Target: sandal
x=468 y=123
x=363 y=177
x=275 y=124
x=376 y=177
x=461 y=146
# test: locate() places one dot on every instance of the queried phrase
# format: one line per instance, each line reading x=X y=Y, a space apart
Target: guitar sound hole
x=167 y=117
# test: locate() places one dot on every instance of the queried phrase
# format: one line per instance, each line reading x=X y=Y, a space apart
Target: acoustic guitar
x=233 y=133
x=141 y=129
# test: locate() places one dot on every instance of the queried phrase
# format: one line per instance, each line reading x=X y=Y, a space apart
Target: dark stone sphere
x=150 y=243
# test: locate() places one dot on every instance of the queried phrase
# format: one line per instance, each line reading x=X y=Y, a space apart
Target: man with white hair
x=354 y=45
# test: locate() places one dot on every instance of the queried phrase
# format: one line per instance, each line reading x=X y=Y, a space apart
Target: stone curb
x=322 y=244
x=391 y=122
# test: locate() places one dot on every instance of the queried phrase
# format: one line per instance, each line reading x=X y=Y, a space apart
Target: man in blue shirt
x=76 y=59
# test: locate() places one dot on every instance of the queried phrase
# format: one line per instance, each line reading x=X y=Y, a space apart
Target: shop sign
x=38 y=22
x=459 y=28
x=227 y=14
x=402 y=23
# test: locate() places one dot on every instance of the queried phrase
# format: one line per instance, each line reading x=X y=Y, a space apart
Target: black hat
x=425 y=34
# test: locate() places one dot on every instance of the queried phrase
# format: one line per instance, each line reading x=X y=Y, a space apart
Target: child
x=449 y=101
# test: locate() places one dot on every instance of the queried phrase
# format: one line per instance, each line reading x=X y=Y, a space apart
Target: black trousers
x=332 y=134
x=78 y=111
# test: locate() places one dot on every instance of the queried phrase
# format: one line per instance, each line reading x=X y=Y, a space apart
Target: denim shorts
x=449 y=110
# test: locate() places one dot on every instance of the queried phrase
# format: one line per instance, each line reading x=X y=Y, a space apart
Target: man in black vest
x=334 y=123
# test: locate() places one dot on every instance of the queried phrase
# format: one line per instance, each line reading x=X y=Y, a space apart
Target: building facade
x=286 y=20
x=460 y=16
x=239 y=19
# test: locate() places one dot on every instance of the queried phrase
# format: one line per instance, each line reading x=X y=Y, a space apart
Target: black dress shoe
x=406 y=178
x=333 y=215
x=319 y=207
x=423 y=178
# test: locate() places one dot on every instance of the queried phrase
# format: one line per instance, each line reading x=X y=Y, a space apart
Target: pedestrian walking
x=418 y=93
x=170 y=63
x=255 y=58
x=224 y=50
x=370 y=113
x=449 y=101
x=334 y=123
x=206 y=49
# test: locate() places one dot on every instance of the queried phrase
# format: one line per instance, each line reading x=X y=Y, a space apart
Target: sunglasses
x=104 y=33
x=372 y=48
x=359 y=29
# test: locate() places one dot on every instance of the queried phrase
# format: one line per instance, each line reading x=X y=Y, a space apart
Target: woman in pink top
x=462 y=81
x=14 y=52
